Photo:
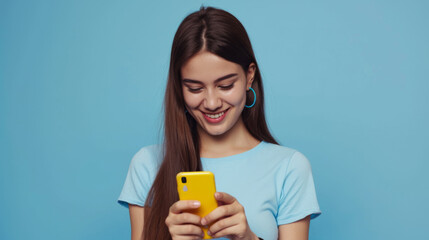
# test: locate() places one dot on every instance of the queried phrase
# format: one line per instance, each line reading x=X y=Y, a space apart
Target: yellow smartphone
x=199 y=186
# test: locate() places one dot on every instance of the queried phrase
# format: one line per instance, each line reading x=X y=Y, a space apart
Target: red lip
x=215 y=120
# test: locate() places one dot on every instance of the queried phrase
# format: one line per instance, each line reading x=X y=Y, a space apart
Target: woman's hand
x=228 y=220
x=183 y=225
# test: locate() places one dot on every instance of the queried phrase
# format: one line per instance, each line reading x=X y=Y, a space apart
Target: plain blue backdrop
x=81 y=88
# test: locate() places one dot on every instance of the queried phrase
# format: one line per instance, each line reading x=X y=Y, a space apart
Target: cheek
x=192 y=100
x=236 y=97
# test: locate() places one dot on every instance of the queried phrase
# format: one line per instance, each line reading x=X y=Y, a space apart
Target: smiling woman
x=217 y=100
x=215 y=121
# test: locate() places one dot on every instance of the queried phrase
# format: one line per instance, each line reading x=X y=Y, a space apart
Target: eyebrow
x=217 y=80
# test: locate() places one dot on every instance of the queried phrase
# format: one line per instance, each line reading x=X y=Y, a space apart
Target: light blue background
x=81 y=88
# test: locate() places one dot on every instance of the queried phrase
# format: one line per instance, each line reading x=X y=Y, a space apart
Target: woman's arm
x=137 y=221
x=295 y=231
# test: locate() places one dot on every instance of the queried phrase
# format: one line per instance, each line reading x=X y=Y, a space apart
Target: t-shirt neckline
x=238 y=155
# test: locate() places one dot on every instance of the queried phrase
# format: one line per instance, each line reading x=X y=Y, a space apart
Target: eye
x=194 y=90
x=226 y=87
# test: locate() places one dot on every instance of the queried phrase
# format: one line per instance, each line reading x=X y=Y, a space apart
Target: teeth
x=214 y=116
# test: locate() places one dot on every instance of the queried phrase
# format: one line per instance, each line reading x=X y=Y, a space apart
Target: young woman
x=214 y=121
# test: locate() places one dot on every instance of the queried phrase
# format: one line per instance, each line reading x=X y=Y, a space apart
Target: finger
x=220 y=212
x=225 y=223
x=180 y=206
x=184 y=218
x=224 y=198
x=188 y=230
x=233 y=230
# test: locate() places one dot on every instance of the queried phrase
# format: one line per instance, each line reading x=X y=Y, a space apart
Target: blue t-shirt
x=273 y=183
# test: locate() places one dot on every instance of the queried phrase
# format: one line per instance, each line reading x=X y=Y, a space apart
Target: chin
x=214 y=132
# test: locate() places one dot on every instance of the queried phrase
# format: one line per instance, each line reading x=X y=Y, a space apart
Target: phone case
x=199 y=186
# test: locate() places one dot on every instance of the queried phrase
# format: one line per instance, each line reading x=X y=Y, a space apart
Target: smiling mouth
x=215 y=115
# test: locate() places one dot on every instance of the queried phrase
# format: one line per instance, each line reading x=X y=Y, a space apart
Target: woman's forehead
x=206 y=66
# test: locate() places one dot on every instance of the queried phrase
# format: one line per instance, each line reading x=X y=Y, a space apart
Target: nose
x=212 y=101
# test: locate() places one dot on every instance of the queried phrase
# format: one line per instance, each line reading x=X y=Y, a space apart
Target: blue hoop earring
x=254 y=98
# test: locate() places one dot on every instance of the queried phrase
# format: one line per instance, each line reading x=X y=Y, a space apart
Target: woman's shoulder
x=285 y=154
x=277 y=149
x=148 y=156
x=149 y=150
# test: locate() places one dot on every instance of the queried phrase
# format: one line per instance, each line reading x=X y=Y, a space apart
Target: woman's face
x=214 y=91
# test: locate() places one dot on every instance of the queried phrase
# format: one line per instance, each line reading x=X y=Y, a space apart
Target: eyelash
x=194 y=90
x=227 y=87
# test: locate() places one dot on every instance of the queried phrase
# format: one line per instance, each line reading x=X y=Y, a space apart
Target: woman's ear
x=250 y=75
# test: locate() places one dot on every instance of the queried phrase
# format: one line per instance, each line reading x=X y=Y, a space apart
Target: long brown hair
x=220 y=33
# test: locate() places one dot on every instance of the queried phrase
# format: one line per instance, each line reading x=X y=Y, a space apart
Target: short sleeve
x=298 y=198
x=141 y=172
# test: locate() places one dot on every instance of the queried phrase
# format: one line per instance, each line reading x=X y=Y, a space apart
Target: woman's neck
x=237 y=140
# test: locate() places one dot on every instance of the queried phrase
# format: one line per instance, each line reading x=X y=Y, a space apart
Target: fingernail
x=204 y=222
x=196 y=204
x=209 y=233
x=217 y=195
